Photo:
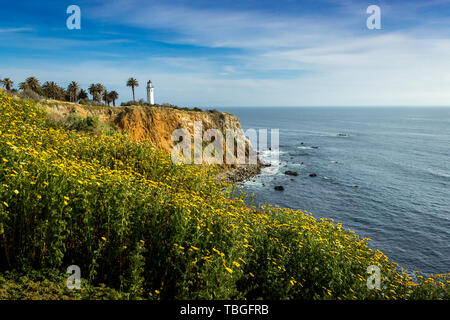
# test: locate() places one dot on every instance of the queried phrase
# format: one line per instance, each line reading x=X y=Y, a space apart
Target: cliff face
x=157 y=124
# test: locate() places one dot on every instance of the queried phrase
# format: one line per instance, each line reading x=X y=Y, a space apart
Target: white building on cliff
x=150 y=88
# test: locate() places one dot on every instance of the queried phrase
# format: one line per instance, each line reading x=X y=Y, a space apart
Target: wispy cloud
x=219 y=28
x=55 y=43
x=15 y=30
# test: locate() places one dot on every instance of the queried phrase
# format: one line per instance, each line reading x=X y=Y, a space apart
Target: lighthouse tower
x=150 y=97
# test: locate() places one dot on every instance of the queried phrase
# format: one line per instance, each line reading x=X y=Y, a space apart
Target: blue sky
x=237 y=53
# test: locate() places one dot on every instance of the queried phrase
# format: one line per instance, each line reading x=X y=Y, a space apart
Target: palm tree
x=72 y=90
x=132 y=83
x=92 y=90
x=33 y=84
x=96 y=91
x=106 y=97
x=51 y=90
x=82 y=95
x=61 y=94
x=7 y=83
x=100 y=89
x=23 y=86
x=113 y=95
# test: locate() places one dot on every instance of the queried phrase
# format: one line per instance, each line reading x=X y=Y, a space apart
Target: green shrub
x=78 y=123
x=140 y=102
x=48 y=284
x=30 y=94
x=88 y=102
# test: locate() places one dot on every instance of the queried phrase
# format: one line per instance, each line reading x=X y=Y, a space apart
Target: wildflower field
x=139 y=226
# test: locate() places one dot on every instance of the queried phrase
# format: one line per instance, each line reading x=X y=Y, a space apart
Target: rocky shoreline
x=241 y=172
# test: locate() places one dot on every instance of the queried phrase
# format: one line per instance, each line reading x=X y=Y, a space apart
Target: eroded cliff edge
x=157 y=124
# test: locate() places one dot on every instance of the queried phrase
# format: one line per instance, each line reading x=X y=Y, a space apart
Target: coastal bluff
x=156 y=123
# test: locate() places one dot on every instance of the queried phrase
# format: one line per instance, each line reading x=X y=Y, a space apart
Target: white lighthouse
x=150 y=97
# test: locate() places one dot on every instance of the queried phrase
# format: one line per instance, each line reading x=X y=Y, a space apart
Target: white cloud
x=14 y=30
x=340 y=86
x=218 y=28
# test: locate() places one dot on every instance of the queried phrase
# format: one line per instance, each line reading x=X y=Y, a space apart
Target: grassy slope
x=149 y=229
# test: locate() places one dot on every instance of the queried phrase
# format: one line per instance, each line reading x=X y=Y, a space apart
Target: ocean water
x=399 y=159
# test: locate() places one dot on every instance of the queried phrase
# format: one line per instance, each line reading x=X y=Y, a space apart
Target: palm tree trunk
x=134 y=99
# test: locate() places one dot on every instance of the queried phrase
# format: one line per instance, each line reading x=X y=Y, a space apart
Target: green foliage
x=48 y=284
x=29 y=94
x=31 y=89
x=83 y=95
x=137 y=265
x=143 y=103
x=88 y=102
x=52 y=91
x=140 y=102
x=78 y=123
x=146 y=228
x=132 y=82
x=7 y=83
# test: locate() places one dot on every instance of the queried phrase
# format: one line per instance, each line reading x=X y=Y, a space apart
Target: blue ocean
x=382 y=172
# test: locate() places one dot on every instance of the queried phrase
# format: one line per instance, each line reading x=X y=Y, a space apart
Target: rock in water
x=279 y=188
x=312 y=175
x=291 y=173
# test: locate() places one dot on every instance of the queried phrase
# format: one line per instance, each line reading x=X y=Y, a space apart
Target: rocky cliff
x=157 y=124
